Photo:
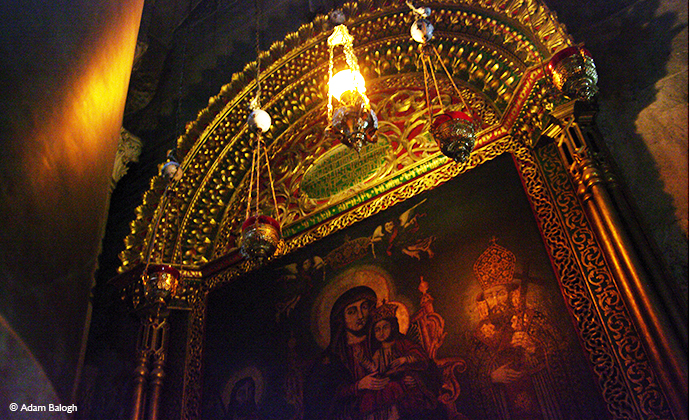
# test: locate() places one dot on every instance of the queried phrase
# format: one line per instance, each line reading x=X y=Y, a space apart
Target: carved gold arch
x=495 y=51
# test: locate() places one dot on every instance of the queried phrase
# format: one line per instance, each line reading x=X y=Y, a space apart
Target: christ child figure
x=407 y=366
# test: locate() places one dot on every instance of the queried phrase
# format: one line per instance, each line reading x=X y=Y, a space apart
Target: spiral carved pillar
x=647 y=295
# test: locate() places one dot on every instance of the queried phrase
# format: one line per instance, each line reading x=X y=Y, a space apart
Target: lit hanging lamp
x=352 y=122
x=161 y=281
x=261 y=233
x=573 y=72
x=455 y=132
x=160 y=286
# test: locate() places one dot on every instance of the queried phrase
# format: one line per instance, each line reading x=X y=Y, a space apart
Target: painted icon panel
x=444 y=306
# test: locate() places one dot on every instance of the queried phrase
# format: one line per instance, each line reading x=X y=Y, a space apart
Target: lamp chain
x=421 y=13
x=330 y=77
x=438 y=91
x=256 y=101
x=469 y=111
x=253 y=194
x=270 y=180
x=426 y=87
x=253 y=171
x=257 y=152
x=179 y=89
x=351 y=61
x=254 y=177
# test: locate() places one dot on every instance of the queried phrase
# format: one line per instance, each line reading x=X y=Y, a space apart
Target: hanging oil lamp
x=573 y=72
x=160 y=281
x=352 y=122
x=455 y=132
x=260 y=237
x=261 y=233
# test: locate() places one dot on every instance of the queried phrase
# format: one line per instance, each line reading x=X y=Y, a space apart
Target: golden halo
x=255 y=374
x=374 y=277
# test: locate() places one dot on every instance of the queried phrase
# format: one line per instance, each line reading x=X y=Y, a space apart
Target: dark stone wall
x=64 y=72
x=641 y=53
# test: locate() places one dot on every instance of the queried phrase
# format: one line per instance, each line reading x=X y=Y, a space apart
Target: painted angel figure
x=296 y=280
x=402 y=235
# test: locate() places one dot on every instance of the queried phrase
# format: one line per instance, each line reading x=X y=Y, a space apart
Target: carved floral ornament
x=495 y=51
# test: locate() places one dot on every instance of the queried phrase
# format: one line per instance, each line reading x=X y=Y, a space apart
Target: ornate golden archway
x=495 y=51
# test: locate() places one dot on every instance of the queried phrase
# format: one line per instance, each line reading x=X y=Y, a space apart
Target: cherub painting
x=296 y=280
x=401 y=235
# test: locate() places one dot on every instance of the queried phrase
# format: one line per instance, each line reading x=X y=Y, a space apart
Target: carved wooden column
x=647 y=295
x=150 y=299
x=149 y=373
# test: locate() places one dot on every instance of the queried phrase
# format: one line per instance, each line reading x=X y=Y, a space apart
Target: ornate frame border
x=620 y=364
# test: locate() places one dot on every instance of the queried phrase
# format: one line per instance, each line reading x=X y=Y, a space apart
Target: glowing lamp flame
x=340 y=36
x=346 y=81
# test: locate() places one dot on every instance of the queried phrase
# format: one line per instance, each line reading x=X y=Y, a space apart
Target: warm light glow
x=80 y=126
x=340 y=36
x=346 y=81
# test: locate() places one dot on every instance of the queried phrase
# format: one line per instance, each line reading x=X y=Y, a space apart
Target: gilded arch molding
x=495 y=51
